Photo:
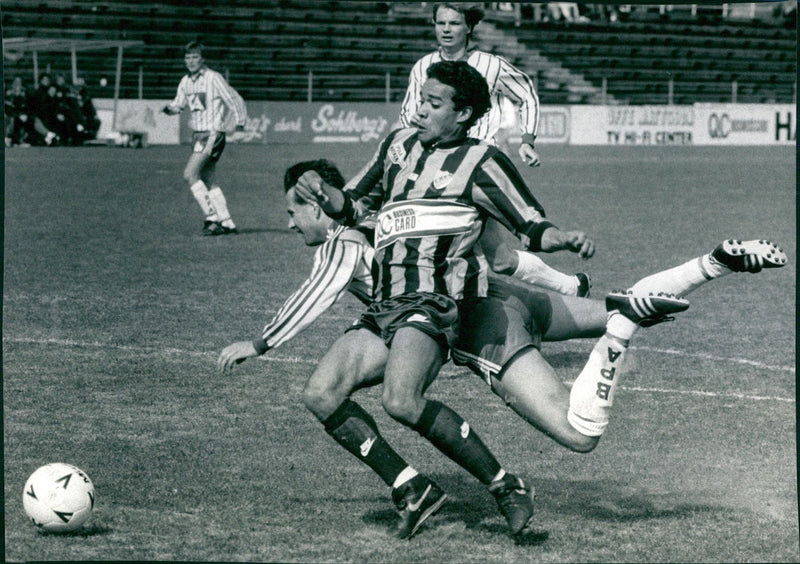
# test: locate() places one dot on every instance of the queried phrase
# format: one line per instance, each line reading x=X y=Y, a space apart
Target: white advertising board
x=142 y=116
x=632 y=125
x=745 y=124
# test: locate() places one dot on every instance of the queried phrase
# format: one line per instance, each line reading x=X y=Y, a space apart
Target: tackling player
x=207 y=95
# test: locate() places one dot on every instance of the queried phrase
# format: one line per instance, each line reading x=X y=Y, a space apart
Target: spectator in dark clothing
x=23 y=125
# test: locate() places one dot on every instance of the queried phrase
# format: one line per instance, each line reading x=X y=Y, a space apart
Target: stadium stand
x=273 y=50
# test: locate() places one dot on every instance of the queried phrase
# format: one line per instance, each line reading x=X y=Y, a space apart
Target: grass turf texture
x=115 y=308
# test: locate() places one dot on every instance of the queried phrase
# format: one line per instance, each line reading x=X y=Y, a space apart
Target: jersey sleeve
x=411 y=102
x=335 y=263
x=517 y=86
x=179 y=101
x=500 y=191
x=364 y=193
x=230 y=98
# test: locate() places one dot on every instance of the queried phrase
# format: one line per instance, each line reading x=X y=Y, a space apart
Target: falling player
x=207 y=95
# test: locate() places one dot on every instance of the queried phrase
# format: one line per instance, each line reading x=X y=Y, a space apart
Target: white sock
x=592 y=394
x=218 y=200
x=533 y=270
x=685 y=278
x=499 y=476
x=404 y=476
x=201 y=194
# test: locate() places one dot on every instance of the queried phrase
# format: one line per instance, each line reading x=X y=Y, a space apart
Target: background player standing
x=207 y=95
x=454 y=23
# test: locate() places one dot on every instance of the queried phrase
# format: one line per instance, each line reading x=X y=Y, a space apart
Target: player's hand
x=529 y=155
x=553 y=239
x=311 y=188
x=235 y=354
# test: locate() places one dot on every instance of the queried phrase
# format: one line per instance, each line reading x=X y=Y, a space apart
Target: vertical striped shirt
x=504 y=80
x=342 y=263
x=208 y=96
x=431 y=203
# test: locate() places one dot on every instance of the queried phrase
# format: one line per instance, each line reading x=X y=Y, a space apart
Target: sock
x=621 y=327
x=200 y=193
x=448 y=432
x=684 y=278
x=404 y=476
x=533 y=270
x=499 y=475
x=221 y=205
x=592 y=394
x=356 y=431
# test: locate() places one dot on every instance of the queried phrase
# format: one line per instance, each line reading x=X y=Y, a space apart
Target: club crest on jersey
x=442 y=180
x=197 y=101
x=397 y=154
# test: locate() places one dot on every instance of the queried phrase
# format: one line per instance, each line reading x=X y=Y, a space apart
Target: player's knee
x=399 y=407
x=582 y=444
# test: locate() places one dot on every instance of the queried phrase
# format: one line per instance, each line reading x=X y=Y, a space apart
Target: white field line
x=449 y=369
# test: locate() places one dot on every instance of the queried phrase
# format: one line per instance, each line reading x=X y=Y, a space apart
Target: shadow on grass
x=87 y=531
x=611 y=501
x=471 y=505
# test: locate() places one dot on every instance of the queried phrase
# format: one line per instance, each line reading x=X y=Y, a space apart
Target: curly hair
x=470 y=86
x=325 y=168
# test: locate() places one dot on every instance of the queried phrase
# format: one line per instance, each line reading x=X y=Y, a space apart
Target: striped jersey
x=207 y=95
x=504 y=80
x=432 y=202
x=341 y=263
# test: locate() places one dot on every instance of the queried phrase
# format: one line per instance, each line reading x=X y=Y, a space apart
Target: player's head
x=193 y=56
x=454 y=22
x=306 y=218
x=454 y=97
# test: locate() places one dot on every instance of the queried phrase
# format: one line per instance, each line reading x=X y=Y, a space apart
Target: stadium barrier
x=363 y=122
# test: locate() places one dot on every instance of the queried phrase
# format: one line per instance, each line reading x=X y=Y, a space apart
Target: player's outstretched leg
x=416 y=500
x=592 y=394
x=729 y=256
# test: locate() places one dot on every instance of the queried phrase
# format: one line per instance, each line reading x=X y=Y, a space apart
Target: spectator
x=87 y=111
x=43 y=103
x=17 y=119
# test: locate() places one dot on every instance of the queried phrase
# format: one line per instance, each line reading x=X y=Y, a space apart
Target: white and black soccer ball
x=58 y=498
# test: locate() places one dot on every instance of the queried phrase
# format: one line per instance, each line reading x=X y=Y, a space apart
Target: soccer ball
x=58 y=498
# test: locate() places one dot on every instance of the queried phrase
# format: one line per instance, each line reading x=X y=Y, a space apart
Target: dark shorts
x=200 y=140
x=435 y=315
x=500 y=326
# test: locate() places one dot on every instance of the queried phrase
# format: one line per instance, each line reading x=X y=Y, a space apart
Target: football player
x=207 y=95
x=454 y=23
x=513 y=321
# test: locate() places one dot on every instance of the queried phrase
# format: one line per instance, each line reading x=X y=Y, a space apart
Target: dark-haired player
x=208 y=97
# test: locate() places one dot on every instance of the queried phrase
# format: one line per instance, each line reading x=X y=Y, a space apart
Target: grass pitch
x=115 y=308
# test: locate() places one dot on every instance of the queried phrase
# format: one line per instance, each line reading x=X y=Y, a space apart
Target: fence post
x=310 y=81
x=141 y=82
x=734 y=91
x=604 y=90
x=670 y=91
x=388 y=87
